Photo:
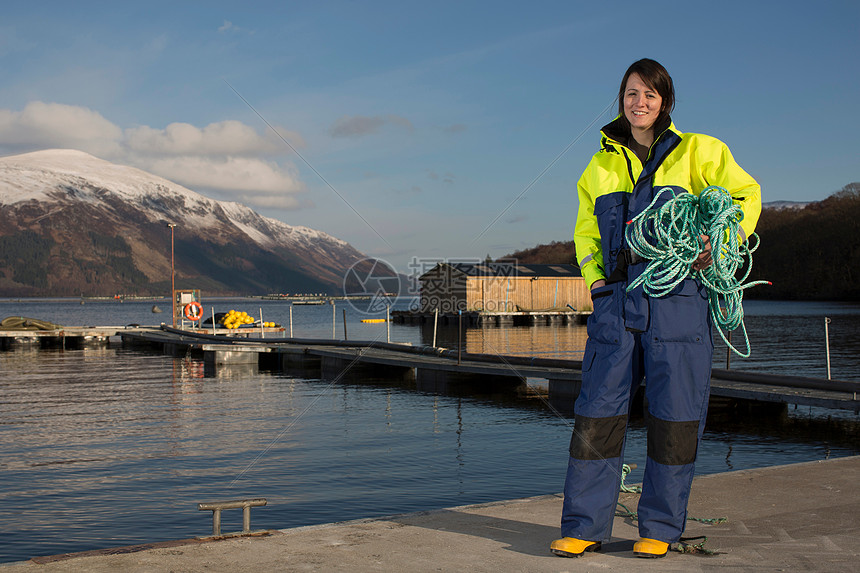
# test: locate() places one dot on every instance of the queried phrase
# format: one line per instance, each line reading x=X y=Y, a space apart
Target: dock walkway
x=431 y=368
x=437 y=368
x=66 y=337
x=801 y=517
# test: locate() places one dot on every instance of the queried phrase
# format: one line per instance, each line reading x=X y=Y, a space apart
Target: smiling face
x=642 y=105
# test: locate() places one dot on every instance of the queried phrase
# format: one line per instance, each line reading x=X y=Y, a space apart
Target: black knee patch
x=598 y=438
x=672 y=443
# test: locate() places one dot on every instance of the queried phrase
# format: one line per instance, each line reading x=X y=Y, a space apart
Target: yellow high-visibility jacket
x=617 y=186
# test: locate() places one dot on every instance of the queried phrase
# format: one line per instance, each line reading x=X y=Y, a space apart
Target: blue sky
x=423 y=125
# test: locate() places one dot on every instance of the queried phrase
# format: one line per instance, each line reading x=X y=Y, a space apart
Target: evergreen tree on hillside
x=555 y=253
x=811 y=253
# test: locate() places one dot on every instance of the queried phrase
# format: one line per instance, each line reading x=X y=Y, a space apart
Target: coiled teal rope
x=670 y=238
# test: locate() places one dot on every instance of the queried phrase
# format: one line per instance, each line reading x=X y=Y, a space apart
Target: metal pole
x=291 y=320
x=333 y=320
x=345 y=337
x=172 y=277
x=459 y=337
x=435 y=323
x=213 y=321
x=729 y=352
x=262 y=328
x=246 y=519
x=216 y=522
x=388 y=323
x=827 y=343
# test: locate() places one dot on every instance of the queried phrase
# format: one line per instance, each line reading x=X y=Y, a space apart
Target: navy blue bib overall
x=665 y=342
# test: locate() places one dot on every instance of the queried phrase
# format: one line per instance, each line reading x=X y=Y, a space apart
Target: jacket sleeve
x=586 y=235
x=718 y=167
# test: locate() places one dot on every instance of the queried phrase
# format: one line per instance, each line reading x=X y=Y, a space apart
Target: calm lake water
x=110 y=446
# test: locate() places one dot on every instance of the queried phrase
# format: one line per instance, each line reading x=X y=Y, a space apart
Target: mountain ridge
x=71 y=223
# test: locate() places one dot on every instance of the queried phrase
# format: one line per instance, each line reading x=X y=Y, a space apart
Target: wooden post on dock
x=827 y=343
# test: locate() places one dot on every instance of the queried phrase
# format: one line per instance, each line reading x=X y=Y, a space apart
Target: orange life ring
x=193 y=311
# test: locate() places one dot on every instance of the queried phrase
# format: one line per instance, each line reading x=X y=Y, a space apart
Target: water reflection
x=112 y=446
x=796 y=344
x=785 y=337
x=542 y=341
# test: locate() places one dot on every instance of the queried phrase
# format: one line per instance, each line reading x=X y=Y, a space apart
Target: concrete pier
x=801 y=517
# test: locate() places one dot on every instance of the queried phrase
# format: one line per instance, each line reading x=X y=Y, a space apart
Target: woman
x=631 y=336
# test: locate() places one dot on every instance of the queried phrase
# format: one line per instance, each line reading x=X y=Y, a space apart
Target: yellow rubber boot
x=573 y=547
x=650 y=548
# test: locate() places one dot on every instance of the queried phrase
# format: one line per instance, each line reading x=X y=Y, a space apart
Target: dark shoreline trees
x=808 y=252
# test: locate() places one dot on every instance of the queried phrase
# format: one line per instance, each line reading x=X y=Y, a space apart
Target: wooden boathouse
x=503 y=287
x=502 y=292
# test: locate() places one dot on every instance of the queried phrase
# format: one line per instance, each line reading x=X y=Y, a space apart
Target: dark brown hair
x=655 y=77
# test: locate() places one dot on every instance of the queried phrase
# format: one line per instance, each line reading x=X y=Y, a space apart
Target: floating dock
x=66 y=337
x=80 y=336
x=439 y=369
x=431 y=368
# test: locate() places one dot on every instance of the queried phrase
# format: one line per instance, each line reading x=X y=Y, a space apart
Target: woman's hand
x=705 y=259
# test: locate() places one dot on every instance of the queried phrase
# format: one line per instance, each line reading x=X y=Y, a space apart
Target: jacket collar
x=618 y=130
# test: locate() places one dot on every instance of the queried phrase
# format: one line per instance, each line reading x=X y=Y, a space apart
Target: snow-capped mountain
x=71 y=223
x=777 y=205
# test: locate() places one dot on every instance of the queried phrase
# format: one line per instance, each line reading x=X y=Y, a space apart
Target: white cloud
x=42 y=124
x=221 y=138
x=226 y=157
x=268 y=183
